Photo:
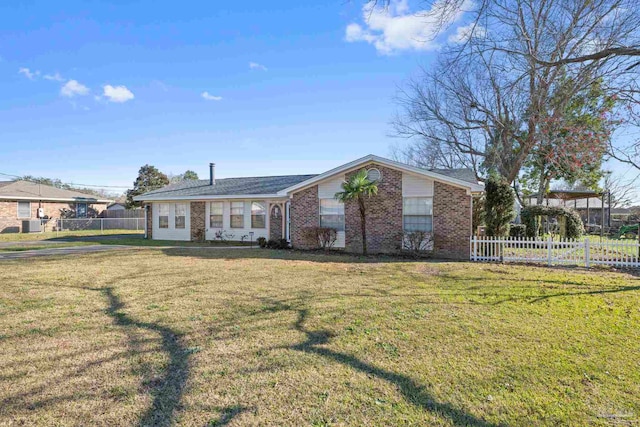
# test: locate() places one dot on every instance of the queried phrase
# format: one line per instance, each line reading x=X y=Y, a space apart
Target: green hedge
x=574 y=227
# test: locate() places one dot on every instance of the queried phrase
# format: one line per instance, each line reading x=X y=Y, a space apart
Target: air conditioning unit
x=31 y=226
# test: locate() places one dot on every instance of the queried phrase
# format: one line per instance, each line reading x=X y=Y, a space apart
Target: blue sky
x=93 y=90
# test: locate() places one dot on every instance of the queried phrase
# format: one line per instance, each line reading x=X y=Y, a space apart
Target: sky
x=92 y=90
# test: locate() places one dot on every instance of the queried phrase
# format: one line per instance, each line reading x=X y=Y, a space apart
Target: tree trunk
x=542 y=187
x=363 y=224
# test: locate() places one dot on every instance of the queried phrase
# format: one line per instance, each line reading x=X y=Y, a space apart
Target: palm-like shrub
x=357 y=188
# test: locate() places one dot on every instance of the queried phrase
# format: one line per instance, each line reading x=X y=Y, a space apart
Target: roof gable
x=464 y=178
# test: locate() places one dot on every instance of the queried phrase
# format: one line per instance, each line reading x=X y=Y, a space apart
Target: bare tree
x=486 y=99
x=622 y=193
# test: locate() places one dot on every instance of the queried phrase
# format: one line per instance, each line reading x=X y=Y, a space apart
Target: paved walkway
x=80 y=250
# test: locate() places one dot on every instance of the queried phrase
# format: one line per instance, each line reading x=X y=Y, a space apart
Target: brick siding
x=451 y=221
x=304 y=212
x=10 y=223
x=275 y=222
x=198 y=221
x=149 y=224
x=383 y=215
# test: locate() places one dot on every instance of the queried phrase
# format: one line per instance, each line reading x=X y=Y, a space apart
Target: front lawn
x=257 y=337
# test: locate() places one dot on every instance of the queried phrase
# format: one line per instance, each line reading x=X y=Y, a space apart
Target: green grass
x=17 y=237
x=191 y=337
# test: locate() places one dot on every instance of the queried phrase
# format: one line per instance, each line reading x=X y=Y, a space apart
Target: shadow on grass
x=413 y=392
x=167 y=392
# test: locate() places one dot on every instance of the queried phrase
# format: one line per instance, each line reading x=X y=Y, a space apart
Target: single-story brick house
x=276 y=207
x=24 y=200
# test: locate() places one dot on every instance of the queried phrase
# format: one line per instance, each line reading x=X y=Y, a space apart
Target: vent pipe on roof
x=212 y=173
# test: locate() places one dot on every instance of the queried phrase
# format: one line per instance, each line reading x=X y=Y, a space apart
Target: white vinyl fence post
x=549 y=251
x=587 y=253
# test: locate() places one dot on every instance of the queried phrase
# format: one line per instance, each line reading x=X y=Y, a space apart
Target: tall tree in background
x=573 y=138
x=149 y=178
x=488 y=97
x=188 y=175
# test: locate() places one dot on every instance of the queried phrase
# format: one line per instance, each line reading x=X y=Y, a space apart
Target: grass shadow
x=413 y=392
x=167 y=392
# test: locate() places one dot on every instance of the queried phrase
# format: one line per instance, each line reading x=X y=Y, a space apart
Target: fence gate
x=586 y=252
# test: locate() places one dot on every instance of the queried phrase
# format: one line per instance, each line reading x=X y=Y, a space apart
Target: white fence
x=587 y=252
x=94 y=224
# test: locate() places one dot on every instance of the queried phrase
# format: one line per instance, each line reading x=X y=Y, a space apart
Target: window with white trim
x=180 y=219
x=332 y=214
x=417 y=214
x=24 y=209
x=237 y=214
x=163 y=215
x=258 y=215
x=215 y=214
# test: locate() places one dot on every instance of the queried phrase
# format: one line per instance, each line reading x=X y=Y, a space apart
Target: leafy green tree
x=499 y=206
x=573 y=138
x=189 y=175
x=356 y=189
x=149 y=178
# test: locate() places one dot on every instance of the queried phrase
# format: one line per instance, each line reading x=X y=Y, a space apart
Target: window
x=417 y=214
x=163 y=215
x=215 y=214
x=237 y=214
x=181 y=215
x=332 y=214
x=373 y=175
x=81 y=210
x=24 y=209
x=258 y=215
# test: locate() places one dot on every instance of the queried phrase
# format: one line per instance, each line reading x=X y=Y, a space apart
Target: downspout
x=146 y=222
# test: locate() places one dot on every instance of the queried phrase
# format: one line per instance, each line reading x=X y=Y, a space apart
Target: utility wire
x=73 y=184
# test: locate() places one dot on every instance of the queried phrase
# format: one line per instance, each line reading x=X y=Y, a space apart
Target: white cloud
x=256 y=66
x=73 y=88
x=28 y=73
x=117 y=93
x=463 y=33
x=55 y=77
x=395 y=29
x=209 y=97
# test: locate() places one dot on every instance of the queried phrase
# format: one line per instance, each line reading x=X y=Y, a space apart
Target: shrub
x=518 y=230
x=325 y=237
x=262 y=242
x=417 y=242
x=529 y=215
x=499 y=210
x=223 y=236
x=277 y=244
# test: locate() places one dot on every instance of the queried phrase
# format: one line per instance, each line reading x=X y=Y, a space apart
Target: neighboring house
x=276 y=207
x=116 y=207
x=24 y=200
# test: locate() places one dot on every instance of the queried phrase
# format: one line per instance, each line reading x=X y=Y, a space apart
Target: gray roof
x=227 y=187
x=463 y=174
x=26 y=190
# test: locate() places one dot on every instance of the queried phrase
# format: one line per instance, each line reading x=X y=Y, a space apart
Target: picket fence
x=586 y=252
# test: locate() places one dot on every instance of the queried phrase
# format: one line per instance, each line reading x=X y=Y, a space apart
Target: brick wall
x=10 y=223
x=384 y=216
x=149 y=220
x=304 y=212
x=198 y=221
x=451 y=221
x=275 y=221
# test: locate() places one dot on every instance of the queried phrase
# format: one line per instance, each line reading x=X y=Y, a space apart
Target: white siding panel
x=340 y=240
x=237 y=233
x=328 y=189
x=415 y=186
x=171 y=233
